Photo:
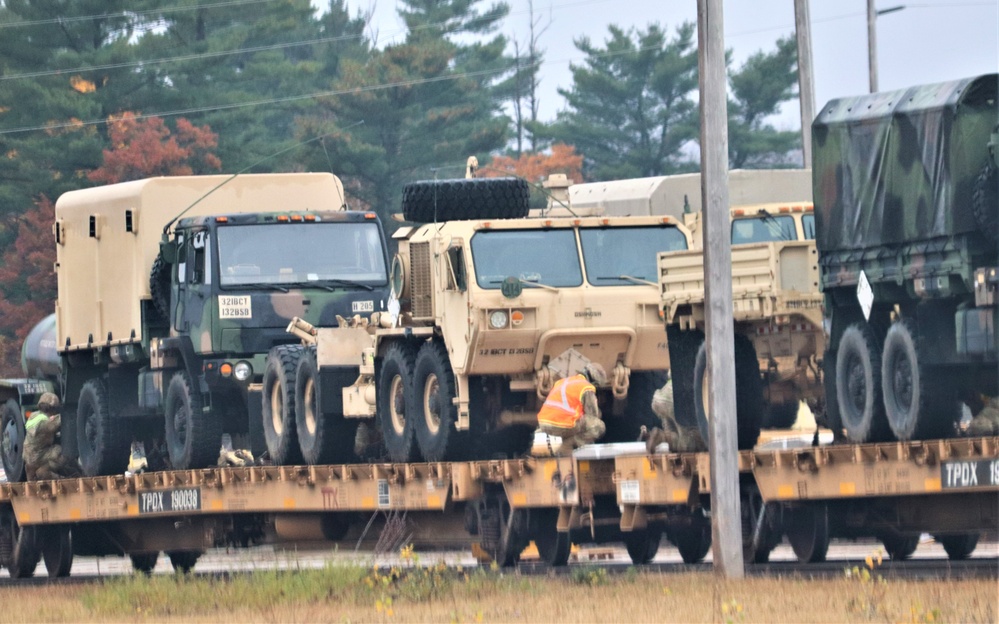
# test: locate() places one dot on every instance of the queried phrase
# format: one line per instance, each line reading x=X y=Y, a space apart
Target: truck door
x=193 y=283
x=454 y=310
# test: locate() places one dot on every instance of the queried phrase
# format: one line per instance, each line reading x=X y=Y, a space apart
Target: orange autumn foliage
x=536 y=167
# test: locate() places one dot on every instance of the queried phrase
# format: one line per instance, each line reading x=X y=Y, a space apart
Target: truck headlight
x=243 y=371
x=498 y=319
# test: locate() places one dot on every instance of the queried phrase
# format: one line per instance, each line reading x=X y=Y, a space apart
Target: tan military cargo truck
x=777 y=311
x=492 y=307
x=171 y=291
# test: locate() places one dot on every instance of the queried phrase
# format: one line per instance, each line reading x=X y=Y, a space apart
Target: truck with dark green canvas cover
x=906 y=222
x=171 y=292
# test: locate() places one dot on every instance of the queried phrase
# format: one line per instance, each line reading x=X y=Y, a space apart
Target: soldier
x=43 y=458
x=680 y=439
x=571 y=411
x=986 y=422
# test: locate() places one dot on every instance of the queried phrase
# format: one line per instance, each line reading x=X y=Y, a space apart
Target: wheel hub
x=276 y=416
x=310 y=406
x=398 y=405
x=180 y=421
x=431 y=404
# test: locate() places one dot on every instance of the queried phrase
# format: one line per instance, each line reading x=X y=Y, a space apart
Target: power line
x=86 y=18
x=277 y=46
x=321 y=94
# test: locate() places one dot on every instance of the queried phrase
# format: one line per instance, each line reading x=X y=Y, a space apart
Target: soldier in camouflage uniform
x=986 y=423
x=43 y=459
x=680 y=439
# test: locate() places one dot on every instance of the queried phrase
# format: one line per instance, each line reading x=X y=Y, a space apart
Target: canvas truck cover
x=665 y=195
x=901 y=166
x=108 y=237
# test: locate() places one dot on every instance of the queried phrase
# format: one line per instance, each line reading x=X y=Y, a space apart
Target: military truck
x=906 y=212
x=489 y=308
x=777 y=311
x=171 y=291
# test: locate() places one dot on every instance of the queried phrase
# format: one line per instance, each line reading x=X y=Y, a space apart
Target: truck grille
x=422 y=282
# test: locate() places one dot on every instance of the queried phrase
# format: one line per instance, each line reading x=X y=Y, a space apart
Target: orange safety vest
x=564 y=406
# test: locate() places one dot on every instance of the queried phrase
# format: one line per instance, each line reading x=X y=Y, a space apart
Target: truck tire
x=958 y=547
x=192 y=436
x=103 y=440
x=641 y=386
x=429 y=201
x=433 y=393
x=323 y=438
x=643 y=544
x=144 y=562
x=984 y=202
x=396 y=414
x=280 y=428
x=554 y=546
x=683 y=346
x=858 y=384
x=832 y=416
x=159 y=287
x=57 y=551
x=918 y=404
x=748 y=392
x=12 y=441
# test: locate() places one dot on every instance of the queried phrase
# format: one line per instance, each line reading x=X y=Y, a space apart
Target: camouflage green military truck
x=906 y=213
x=777 y=310
x=492 y=306
x=163 y=325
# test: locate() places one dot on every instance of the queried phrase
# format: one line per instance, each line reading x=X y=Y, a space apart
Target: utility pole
x=806 y=85
x=872 y=45
x=726 y=525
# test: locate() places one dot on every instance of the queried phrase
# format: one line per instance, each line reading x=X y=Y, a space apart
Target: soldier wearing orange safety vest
x=571 y=411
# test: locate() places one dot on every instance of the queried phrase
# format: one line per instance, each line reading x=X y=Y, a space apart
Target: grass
x=339 y=593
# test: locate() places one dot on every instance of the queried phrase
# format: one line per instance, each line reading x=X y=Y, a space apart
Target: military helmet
x=48 y=401
x=595 y=373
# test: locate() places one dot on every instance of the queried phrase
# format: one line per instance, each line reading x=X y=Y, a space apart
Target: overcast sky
x=928 y=41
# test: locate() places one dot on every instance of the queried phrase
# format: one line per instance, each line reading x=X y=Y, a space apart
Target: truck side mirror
x=168 y=250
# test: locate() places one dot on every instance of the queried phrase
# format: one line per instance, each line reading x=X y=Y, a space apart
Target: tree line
x=101 y=91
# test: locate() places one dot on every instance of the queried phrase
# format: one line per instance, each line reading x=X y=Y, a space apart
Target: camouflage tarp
x=901 y=166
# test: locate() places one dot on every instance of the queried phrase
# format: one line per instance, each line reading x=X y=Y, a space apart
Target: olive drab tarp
x=901 y=166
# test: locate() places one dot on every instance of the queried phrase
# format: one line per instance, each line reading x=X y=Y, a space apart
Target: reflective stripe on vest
x=36 y=419
x=564 y=406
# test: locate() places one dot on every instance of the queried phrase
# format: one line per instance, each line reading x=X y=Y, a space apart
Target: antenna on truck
x=343 y=202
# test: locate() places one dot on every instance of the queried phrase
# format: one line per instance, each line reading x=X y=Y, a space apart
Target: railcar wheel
x=433 y=393
x=429 y=201
x=144 y=563
x=12 y=440
x=26 y=555
x=103 y=440
x=958 y=547
x=916 y=401
x=808 y=532
x=858 y=384
x=900 y=547
x=192 y=436
x=395 y=413
x=323 y=438
x=183 y=561
x=554 y=547
x=642 y=545
x=692 y=541
x=279 y=404
x=748 y=392
x=57 y=551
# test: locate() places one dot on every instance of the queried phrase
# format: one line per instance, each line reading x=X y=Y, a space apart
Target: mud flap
x=254 y=410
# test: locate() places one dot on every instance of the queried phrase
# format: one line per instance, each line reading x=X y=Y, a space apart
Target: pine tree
x=759 y=87
x=630 y=111
x=415 y=106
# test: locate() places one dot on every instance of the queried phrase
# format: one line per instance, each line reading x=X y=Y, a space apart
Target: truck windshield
x=545 y=257
x=613 y=255
x=763 y=229
x=808 y=224
x=301 y=253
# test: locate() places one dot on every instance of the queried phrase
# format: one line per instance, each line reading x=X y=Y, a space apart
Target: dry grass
x=352 y=594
